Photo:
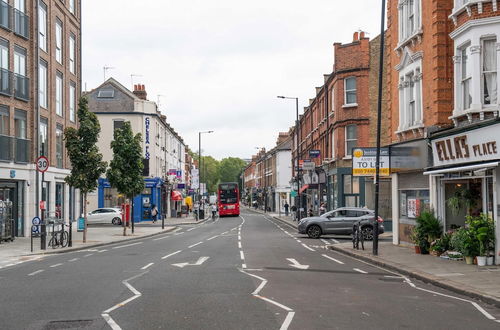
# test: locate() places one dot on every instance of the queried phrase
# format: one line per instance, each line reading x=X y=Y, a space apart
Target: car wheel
x=116 y=221
x=367 y=233
x=314 y=231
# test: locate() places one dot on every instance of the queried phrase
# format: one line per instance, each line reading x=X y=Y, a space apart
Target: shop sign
x=364 y=161
x=473 y=146
x=146 y=138
x=308 y=165
x=314 y=153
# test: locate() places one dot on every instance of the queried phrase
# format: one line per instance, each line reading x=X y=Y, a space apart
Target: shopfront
x=465 y=173
x=12 y=204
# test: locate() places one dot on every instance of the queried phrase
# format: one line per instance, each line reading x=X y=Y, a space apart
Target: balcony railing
x=21 y=24
x=14 y=149
x=5 y=10
x=21 y=87
x=5 y=82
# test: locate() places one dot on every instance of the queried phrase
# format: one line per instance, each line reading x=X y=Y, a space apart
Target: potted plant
x=415 y=240
x=437 y=247
x=462 y=198
x=428 y=228
x=482 y=228
x=464 y=242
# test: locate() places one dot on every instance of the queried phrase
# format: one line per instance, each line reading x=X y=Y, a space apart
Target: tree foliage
x=125 y=170
x=81 y=145
x=213 y=171
x=230 y=169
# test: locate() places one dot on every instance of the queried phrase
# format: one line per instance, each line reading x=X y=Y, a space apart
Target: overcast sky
x=219 y=64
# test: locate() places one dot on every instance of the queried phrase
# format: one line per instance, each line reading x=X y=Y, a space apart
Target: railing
x=5 y=10
x=5 y=82
x=21 y=87
x=14 y=149
x=21 y=24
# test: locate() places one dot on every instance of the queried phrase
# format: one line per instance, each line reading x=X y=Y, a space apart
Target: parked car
x=341 y=221
x=105 y=215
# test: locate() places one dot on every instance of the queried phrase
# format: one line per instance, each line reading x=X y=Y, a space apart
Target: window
x=42 y=26
x=20 y=5
x=21 y=82
x=351 y=139
x=20 y=124
x=44 y=138
x=59 y=36
x=4 y=120
x=59 y=146
x=72 y=101
x=4 y=67
x=21 y=20
x=489 y=72
x=413 y=202
x=72 y=43
x=350 y=91
x=334 y=148
x=42 y=84
x=409 y=18
x=410 y=92
x=106 y=94
x=72 y=6
x=410 y=99
x=351 y=184
x=117 y=124
x=20 y=61
x=465 y=78
x=59 y=94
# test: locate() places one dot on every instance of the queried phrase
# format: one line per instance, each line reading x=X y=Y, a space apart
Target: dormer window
x=106 y=94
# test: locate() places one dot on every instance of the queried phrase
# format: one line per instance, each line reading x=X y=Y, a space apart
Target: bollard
x=43 y=236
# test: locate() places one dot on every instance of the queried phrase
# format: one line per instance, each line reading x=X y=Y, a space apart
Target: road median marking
x=36 y=272
x=171 y=254
x=193 y=245
x=126 y=245
x=211 y=238
x=307 y=247
x=148 y=265
x=360 y=271
x=56 y=265
x=333 y=259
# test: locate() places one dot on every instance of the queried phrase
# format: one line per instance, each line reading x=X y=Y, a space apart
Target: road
x=248 y=272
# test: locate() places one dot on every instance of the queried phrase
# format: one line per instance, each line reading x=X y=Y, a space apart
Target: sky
x=219 y=64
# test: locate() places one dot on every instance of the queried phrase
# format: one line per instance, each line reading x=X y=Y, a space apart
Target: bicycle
x=60 y=237
x=357 y=236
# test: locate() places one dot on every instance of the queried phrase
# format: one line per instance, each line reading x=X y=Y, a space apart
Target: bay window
x=465 y=78
x=489 y=72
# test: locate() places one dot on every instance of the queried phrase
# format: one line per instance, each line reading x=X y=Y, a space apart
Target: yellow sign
x=369 y=171
x=364 y=161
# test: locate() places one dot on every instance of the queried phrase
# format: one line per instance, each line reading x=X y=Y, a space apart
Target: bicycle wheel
x=53 y=242
x=63 y=240
x=362 y=240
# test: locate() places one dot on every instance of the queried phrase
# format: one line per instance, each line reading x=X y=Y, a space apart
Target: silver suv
x=341 y=221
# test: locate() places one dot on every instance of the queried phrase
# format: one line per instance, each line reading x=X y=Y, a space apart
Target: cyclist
x=214 y=210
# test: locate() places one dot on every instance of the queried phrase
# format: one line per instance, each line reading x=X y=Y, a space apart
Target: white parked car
x=105 y=215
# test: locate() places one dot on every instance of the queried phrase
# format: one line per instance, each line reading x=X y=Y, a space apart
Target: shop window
x=413 y=202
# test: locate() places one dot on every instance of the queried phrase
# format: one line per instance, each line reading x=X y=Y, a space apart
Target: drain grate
x=68 y=324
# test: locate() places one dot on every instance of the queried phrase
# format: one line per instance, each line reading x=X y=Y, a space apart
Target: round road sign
x=36 y=221
x=42 y=164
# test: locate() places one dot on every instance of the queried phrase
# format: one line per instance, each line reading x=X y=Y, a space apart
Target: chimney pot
x=361 y=35
x=355 y=36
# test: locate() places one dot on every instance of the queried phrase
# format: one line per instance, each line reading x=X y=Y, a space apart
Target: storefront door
x=8 y=194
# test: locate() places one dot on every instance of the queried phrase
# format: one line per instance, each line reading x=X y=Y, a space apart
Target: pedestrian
x=214 y=210
x=310 y=213
x=154 y=212
x=286 y=206
x=322 y=208
x=294 y=210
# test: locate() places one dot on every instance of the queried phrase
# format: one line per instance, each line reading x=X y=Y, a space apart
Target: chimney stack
x=140 y=92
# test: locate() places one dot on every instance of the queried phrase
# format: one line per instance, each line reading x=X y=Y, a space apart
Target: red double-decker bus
x=228 y=199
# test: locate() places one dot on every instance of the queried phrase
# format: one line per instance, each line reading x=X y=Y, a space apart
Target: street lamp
x=199 y=169
x=298 y=148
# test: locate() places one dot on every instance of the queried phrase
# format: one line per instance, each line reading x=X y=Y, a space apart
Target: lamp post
x=297 y=126
x=199 y=169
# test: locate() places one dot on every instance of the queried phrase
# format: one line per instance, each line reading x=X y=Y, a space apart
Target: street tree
x=86 y=160
x=230 y=169
x=126 y=168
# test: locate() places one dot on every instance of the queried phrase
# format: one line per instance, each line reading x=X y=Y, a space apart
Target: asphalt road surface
x=248 y=272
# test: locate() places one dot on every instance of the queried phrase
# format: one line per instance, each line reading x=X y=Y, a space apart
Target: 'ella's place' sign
x=473 y=146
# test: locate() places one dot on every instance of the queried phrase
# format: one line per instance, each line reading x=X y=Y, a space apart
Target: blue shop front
x=143 y=203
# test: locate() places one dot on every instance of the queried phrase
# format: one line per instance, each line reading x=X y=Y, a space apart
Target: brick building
x=40 y=83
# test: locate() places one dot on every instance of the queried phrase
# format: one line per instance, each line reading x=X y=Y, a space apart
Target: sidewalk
x=481 y=283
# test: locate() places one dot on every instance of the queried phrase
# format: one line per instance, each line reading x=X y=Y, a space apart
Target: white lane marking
x=391 y=276
x=288 y=320
x=101 y=251
x=88 y=255
x=275 y=303
x=334 y=241
x=333 y=259
x=179 y=233
x=194 y=245
x=307 y=247
x=360 y=271
x=239 y=245
x=56 y=265
x=36 y=272
x=298 y=240
x=200 y=261
x=171 y=254
x=122 y=246
x=239 y=237
x=211 y=238
x=242 y=256
x=157 y=239
x=148 y=265
x=254 y=269
x=74 y=259
x=191 y=229
x=224 y=233
x=244 y=266
x=137 y=294
x=296 y=264
x=324 y=241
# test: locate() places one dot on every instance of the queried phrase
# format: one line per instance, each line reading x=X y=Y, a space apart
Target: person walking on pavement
x=154 y=212
x=322 y=208
x=294 y=210
x=286 y=206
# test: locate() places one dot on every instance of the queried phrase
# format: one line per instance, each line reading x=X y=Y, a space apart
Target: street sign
x=36 y=221
x=81 y=225
x=42 y=205
x=293 y=193
x=314 y=153
x=42 y=164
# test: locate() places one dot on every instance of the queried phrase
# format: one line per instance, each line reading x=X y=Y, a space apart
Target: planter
x=490 y=260
x=417 y=249
x=469 y=260
x=424 y=250
x=481 y=261
x=435 y=253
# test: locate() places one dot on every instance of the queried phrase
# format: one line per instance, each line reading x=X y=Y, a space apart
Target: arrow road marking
x=296 y=264
x=198 y=263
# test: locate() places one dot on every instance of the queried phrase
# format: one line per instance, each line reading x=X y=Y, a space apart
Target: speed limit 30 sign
x=42 y=164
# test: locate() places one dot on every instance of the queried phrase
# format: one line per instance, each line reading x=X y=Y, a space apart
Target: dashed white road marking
x=101 y=251
x=74 y=259
x=159 y=238
x=171 y=254
x=242 y=255
x=334 y=241
x=148 y=265
x=307 y=247
x=211 y=238
x=56 y=265
x=333 y=259
x=36 y=272
x=325 y=241
x=224 y=233
x=360 y=271
x=127 y=245
x=88 y=255
x=193 y=245
x=191 y=229
x=239 y=245
x=244 y=266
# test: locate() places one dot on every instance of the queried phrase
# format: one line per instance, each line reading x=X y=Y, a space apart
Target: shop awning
x=176 y=195
x=485 y=166
x=304 y=187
